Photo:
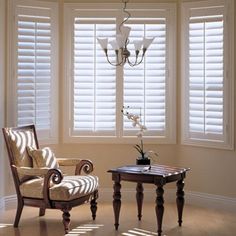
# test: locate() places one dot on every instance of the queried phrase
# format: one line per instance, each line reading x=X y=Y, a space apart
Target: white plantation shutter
x=206 y=73
x=145 y=85
x=33 y=71
x=97 y=90
x=35 y=77
x=207 y=90
x=94 y=92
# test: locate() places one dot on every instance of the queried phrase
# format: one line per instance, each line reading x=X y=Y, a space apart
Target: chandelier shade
x=121 y=42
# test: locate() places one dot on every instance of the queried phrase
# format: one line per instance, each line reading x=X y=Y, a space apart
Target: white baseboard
x=192 y=198
x=10 y=201
x=128 y=194
x=211 y=201
x=2 y=205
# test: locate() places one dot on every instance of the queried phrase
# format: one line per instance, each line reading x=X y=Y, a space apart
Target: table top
x=153 y=170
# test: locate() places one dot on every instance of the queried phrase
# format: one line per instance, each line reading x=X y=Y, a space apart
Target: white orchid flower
x=135 y=118
x=129 y=116
x=136 y=122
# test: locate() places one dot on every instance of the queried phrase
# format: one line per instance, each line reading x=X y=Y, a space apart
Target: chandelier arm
x=130 y=63
x=140 y=60
x=136 y=61
x=113 y=64
x=144 y=51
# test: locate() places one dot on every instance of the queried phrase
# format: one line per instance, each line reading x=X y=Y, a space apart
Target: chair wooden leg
x=20 y=206
x=66 y=219
x=42 y=211
x=93 y=204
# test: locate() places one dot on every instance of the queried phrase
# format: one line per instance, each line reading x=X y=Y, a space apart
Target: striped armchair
x=38 y=180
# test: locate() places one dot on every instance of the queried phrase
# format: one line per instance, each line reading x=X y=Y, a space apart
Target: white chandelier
x=120 y=44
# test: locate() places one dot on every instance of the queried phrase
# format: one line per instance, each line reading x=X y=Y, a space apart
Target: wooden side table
x=155 y=174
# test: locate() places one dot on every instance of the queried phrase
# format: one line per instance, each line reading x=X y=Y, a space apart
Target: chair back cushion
x=19 y=140
x=43 y=157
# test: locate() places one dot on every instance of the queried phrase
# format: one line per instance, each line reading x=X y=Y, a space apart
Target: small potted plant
x=144 y=157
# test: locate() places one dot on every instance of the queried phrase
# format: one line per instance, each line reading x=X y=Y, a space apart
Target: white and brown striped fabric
x=19 y=140
x=24 y=149
x=71 y=187
x=43 y=158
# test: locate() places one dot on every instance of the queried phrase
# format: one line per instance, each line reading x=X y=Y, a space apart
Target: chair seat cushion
x=71 y=187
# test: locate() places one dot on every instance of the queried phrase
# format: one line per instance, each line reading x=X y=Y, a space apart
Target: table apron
x=140 y=178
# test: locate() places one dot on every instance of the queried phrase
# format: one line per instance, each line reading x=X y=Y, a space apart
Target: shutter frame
x=210 y=140
x=20 y=7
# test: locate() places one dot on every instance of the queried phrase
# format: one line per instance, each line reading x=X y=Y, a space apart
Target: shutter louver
x=206 y=77
x=94 y=79
x=145 y=85
x=34 y=70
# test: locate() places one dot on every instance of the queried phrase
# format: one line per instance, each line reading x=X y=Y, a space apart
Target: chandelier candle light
x=120 y=44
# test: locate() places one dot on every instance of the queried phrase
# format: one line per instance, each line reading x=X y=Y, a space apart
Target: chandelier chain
x=125 y=11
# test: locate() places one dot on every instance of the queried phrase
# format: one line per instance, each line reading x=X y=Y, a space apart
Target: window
x=34 y=76
x=145 y=85
x=208 y=76
x=94 y=94
x=97 y=91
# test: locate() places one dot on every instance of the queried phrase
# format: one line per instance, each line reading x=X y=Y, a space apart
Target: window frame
x=69 y=10
x=228 y=78
x=46 y=136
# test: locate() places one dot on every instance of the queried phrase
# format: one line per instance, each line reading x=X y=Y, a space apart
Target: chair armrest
x=51 y=176
x=32 y=171
x=85 y=165
x=80 y=164
x=68 y=161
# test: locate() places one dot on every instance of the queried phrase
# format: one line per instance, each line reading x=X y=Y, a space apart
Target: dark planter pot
x=144 y=161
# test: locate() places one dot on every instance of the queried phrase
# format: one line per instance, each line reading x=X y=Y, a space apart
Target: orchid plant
x=137 y=122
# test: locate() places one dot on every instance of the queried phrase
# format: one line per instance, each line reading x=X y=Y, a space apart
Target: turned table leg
x=66 y=219
x=159 y=208
x=139 y=199
x=116 y=202
x=180 y=199
x=93 y=204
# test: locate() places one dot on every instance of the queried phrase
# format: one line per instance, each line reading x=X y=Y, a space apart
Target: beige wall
x=109 y=156
x=212 y=170
x=2 y=84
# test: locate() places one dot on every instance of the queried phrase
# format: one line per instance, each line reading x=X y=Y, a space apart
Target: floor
x=196 y=222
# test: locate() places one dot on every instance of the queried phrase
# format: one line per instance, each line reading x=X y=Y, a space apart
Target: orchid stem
x=142 y=147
